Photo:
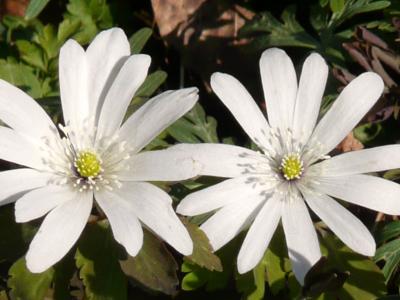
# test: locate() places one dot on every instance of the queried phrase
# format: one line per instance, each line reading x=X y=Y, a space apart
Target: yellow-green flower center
x=291 y=166
x=87 y=164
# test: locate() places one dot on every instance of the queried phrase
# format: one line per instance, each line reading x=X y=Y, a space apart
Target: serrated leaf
x=93 y=15
x=97 y=258
x=25 y=285
x=195 y=127
x=22 y=76
x=47 y=39
x=32 y=54
x=139 y=39
x=154 y=267
x=289 y=32
x=34 y=8
x=66 y=29
x=202 y=250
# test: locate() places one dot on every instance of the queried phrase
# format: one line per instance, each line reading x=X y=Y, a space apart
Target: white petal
x=20 y=112
x=39 y=202
x=309 y=95
x=129 y=79
x=17 y=149
x=160 y=165
x=74 y=77
x=361 y=161
x=240 y=189
x=224 y=160
x=353 y=103
x=243 y=107
x=343 y=223
x=13 y=182
x=364 y=190
x=105 y=55
x=259 y=235
x=154 y=208
x=156 y=115
x=279 y=82
x=230 y=220
x=58 y=233
x=124 y=223
x=301 y=238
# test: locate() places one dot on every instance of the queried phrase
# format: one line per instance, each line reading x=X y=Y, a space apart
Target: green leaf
x=22 y=76
x=336 y=5
x=93 y=15
x=356 y=7
x=34 y=8
x=151 y=84
x=47 y=39
x=252 y=284
x=197 y=276
x=390 y=253
x=146 y=90
x=97 y=258
x=389 y=231
x=154 y=267
x=202 y=251
x=275 y=33
x=32 y=54
x=25 y=285
x=365 y=281
x=277 y=262
x=67 y=29
x=195 y=127
x=139 y=39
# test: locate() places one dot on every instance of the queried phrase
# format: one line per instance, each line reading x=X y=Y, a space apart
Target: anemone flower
x=92 y=157
x=292 y=170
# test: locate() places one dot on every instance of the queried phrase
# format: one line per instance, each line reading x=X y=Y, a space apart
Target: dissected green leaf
x=22 y=76
x=202 y=251
x=97 y=258
x=139 y=39
x=154 y=267
x=93 y=15
x=25 y=285
x=32 y=54
x=66 y=29
x=195 y=127
x=289 y=32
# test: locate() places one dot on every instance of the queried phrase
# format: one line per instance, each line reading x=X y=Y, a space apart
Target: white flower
x=292 y=168
x=94 y=157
